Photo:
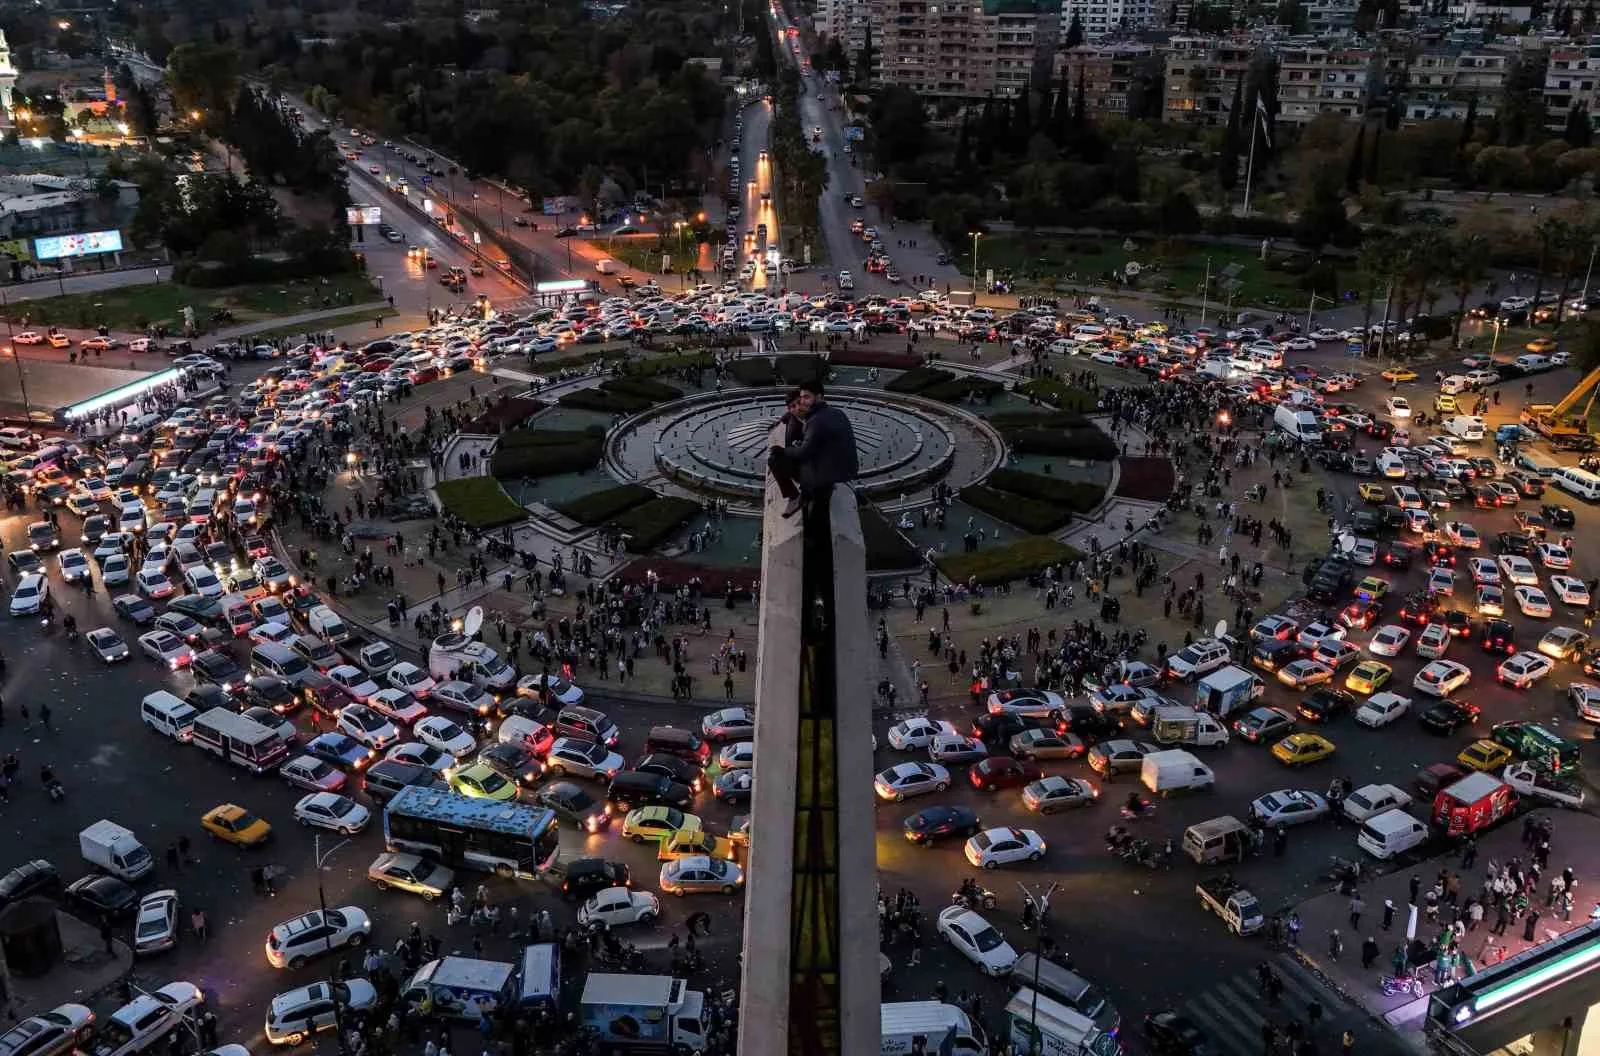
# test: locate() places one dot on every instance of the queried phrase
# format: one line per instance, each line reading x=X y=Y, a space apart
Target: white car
x=107 y=644
x=616 y=906
x=74 y=566
x=1484 y=571
x=1441 y=678
x=1463 y=535
x=1585 y=697
x=1322 y=333
x=1433 y=641
x=917 y=733
x=1491 y=601
x=29 y=595
x=1532 y=602
x=557 y=693
x=438 y=732
x=741 y=755
x=367 y=726
x=1038 y=703
x=1523 y=669
x=272 y=632
x=329 y=810
x=1441 y=581
x=1314 y=634
x=1389 y=640
x=354 y=682
x=155 y=926
x=164 y=647
x=1571 y=590
x=204 y=582
x=153 y=583
x=298 y=1014
x=977 y=940
x=398 y=705
x=422 y=754
x=292 y=943
x=993 y=848
x=1369 y=801
x=115 y=571
x=1518 y=570
x=139 y=1024
x=1381 y=709
x=1397 y=407
x=410 y=678
x=1551 y=555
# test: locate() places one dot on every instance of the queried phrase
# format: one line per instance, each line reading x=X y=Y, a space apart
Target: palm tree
x=1468 y=254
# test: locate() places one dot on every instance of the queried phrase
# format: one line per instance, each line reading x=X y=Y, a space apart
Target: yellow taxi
x=1371 y=492
x=1299 y=749
x=1541 y=344
x=686 y=843
x=1369 y=676
x=481 y=781
x=1485 y=755
x=657 y=822
x=233 y=824
x=1399 y=374
x=1372 y=588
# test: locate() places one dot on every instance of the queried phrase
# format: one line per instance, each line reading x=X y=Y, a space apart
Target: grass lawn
x=480 y=501
x=333 y=322
x=136 y=307
x=644 y=252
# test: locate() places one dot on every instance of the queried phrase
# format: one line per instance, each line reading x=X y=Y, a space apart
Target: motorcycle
x=626 y=957
x=976 y=898
x=1144 y=810
x=1342 y=870
x=1401 y=984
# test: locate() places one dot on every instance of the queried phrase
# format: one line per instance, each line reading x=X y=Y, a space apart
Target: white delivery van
x=606 y=266
x=1454 y=385
x=112 y=848
x=1176 y=724
x=1038 y=1024
x=1298 y=423
x=940 y=1028
x=166 y=714
x=1390 y=833
x=1579 y=482
x=1532 y=362
x=1468 y=427
x=1175 y=770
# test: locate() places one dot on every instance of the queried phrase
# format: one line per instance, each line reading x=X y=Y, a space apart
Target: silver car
x=911 y=779
x=583 y=759
x=1288 y=806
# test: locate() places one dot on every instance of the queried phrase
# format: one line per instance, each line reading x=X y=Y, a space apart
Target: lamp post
x=321 y=857
x=1495 y=347
x=1042 y=903
x=975 y=236
x=16 y=358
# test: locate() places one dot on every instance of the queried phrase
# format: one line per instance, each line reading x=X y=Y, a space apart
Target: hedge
x=918 y=379
x=1076 y=495
x=1151 y=479
x=1031 y=515
x=644 y=388
x=646 y=368
x=598 y=507
x=756 y=372
x=552 y=437
x=1058 y=394
x=796 y=369
x=887 y=550
x=506 y=412
x=605 y=401
x=1089 y=443
x=957 y=390
x=654 y=521
x=1002 y=564
x=866 y=357
x=1005 y=420
x=479 y=501
x=546 y=452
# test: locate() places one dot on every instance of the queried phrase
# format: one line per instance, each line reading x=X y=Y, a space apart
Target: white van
x=1579 y=482
x=166 y=714
x=1390 y=833
x=1298 y=423
x=326 y=624
x=1532 y=362
x=1468 y=427
x=1175 y=770
x=1266 y=359
x=606 y=266
x=1454 y=385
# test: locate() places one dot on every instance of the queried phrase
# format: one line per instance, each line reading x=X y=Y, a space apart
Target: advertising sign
x=363 y=215
x=558 y=204
x=854 y=132
x=58 y=246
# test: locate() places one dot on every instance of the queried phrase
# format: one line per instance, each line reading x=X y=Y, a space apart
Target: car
x=1261 y=725
x=341 y=750
x=1369 y=676
x=329 y=810
x=164 y=647
x=138 y=1025
x=1571 y=590
x=104 y=898
x=397 y=706
x=1174 y=1034
x=976 y=939
x=1484 y=571
x=1380 y=709
x=1118 y=756
x=1036 y=702
x=155 y=930
x=421 y=754
x=297 y=1014
x=462 y=697
x=1532 y=602
x=1288 y=807
x=911 y=779
x=1484 y=755
x=1398 y=374
x=367 y=726
x=1491 y=601
x=1301 y=674
x=1433 y=640
x=735 y=786
x=583 y=877
x=313 y=774
x=409 y=678
x=1047 y=744
x=442 y=735
x=411 y=873
x=576 y=805
x=73 y=565
x=1448 y=716
x=729 y=724
x=590 y=759
x=917 y=733
x=1359 y=615
x=514 y=762
x=618 y=906
x=231 y=823
x=354 y=682
x=481 y=781
x=1274 y=628
x=553 y=690
x=1585 y=698
x=1551 y=555
x=107 y=644
x=1397 y=407
x=657 y=822
x=1301 y=749
x=1441 y=678
x=1524 y=669
x=37 y=877
x=1389 y=640
x=29 y=595
x=698 y=873
x=153 y=584
x=995 y=847
x=1564 y=643
x=185 y=627
x=1518 y=570
x=294 y=942
x=1441 y=581
x=932 y=824
x=955 y=749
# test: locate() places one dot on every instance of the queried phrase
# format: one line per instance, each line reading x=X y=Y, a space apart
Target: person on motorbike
x=1135 y=805
x=70 y=624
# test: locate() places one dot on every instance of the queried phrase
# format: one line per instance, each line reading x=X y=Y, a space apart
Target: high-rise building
x=1104 y=18
x=1110 y=74
x=1570 y=80
x=1200 y=76
x=1314 y=79
x=965 y=49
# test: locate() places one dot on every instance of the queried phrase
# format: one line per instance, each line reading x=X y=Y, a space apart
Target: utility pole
x=1205 y=292
x=1041 y=904
x=321 y=857
x=16 y=358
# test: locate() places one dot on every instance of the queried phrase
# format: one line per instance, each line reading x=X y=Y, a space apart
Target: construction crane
x=1554 y=420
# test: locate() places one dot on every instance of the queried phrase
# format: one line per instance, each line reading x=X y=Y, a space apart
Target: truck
x=1513 y=433
x=960 y=299
x=116 y=850
x=372 y=655
x=1538 y=783
x=459 y=987
x=643 y=1013
x=1538 y=744
x=1176 y=724
x=1237 y=907
x=1227 y=690
x=1041 y=1026
x=929 y=1027
x=1468 y=427
x=1175 y=770
x=454 y=656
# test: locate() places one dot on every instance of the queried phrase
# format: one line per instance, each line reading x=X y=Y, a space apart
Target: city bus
x=507 y=839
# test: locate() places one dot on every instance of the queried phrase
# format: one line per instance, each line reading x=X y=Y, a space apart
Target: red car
x=1002 y=771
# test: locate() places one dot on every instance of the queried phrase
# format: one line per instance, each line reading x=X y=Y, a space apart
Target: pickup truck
x=372 y=655
x=1530 y=780
x=1236 y=906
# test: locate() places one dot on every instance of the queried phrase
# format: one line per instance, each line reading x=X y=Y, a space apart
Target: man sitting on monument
x=825 y=455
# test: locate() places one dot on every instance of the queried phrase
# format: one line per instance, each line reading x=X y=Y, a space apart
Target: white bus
x=241 y=741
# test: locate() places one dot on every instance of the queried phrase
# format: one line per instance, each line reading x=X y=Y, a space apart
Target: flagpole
x=1250 y=167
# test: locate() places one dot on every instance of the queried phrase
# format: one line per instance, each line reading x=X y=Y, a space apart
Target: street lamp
x=1042 y=904
x=321 y=857
x=16 y=358
x=1495 y=347
x=975 y=236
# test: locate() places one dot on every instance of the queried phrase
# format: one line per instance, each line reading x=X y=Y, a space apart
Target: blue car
x=132 y=607
x=340 y=750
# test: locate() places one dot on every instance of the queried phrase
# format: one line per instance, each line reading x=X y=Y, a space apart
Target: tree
x=1469 y=123
x=1022 y=120
x=1468 y=264
x=1578 y=131
x=1074 y=32
x=1228 y=153
x=963 y=146
x=1357 y=166
x=1323 y=220
x=985 y=148
x=1178 y=215
x=899 y=124
x=1372 y=156
x=203 y=78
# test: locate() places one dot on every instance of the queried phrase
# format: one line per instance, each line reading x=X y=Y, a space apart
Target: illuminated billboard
x=59 y=246
x=359 y=215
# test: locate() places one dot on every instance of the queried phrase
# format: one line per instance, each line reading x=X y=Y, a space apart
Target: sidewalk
x=307 y=319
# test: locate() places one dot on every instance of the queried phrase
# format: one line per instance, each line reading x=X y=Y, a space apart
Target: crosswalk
x=1232 y=1013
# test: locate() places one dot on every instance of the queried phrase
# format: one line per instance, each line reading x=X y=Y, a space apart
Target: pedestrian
x=916 y=946
x=1269 y=1038
x=183 y=850
x=1356 y=906
x=1388 y=913
x=197 y=924
x=108 y=937
x=1335 y=944
x=172 y=857
x=1347 y=1043
x=1529 y=926
x=1314 y=1014
x=1369 y=952
x=1416 y=888
x=1280 y=841
x=27 y=716
x=1469 y=853
x=44 y=715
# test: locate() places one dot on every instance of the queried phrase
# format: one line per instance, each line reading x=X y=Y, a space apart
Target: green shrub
x=649 y=368
x=1076 y=495
x=1088 y=443
x=598 y=507
x=1031 y=515
x=605 y=401
x=755 y=372
x=795 y=369
x=643 y=388
x=1058 y=394
x=552 y=437
x=479 y=501
x=887 y=550
x=546 y=452
x=1002 y=564
x=1004 y=420
x=653 y=522
x=917 y=380
x=958 y=389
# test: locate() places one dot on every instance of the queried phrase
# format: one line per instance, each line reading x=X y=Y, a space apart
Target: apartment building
x=1200 y=74
x=1443 y=82
x=845 y=21
x=965 y=49
x=1570 y=79
x=1314 y=80
x=1103 y=18
x=1108 y=72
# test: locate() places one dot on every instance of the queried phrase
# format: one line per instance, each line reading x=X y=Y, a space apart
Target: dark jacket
x=794 y=428
x=826 y=453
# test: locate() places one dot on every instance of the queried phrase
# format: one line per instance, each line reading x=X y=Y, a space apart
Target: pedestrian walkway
x=307 y=319
x=1233 y=1012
